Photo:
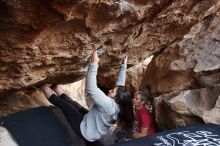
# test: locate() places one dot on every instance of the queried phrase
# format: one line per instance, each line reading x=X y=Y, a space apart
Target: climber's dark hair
x=126 y=114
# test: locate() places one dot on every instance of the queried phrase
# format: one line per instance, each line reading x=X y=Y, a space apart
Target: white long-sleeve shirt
x=105 y=110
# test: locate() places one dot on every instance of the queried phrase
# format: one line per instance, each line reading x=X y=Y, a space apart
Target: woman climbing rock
x=107 y=110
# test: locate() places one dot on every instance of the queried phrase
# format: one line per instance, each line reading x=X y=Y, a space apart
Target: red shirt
x=145 y=120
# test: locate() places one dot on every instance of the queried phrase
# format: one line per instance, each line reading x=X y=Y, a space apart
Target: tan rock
x=134 y=77
x=191 y=63
x=50 y=41
x=32 y=98
x=211 y=116
x=21 y=100
x=77 y=92
x=184 y=108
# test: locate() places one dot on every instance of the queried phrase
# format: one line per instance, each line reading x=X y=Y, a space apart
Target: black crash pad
x=41 y=126
x=199 y=135
x=47 y=126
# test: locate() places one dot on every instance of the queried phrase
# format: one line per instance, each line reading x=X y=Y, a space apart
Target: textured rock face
x=22 y=100
x=77 y=92
x=134 y=77
x=190 y=63
x=179 y=108
x=168 y=118
x=17 y=101
x=50 y=41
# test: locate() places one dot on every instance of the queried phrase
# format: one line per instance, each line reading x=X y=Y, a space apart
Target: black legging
x=74 y=113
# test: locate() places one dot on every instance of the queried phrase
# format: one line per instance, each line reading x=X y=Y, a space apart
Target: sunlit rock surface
x=77 y=92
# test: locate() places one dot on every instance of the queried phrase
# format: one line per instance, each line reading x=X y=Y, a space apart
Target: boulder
x=51 y=41
x=190 y=63
x=188 y=107
x=134 y=77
